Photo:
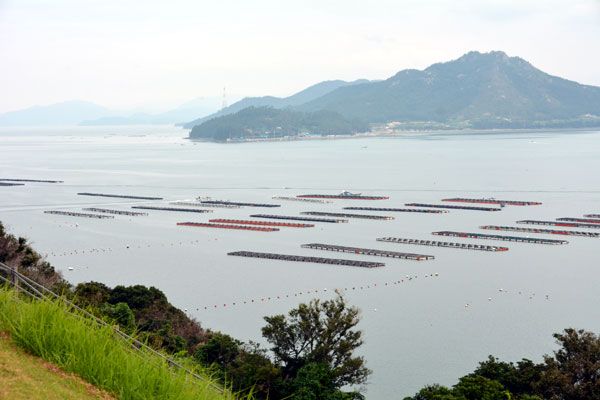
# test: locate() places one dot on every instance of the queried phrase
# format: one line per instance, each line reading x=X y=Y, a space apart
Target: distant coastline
x=392 y=134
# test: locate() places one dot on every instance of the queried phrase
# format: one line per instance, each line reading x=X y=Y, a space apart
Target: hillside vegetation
x=268 y=122
x=306 y=95
x=478 y=90
x=25 y=377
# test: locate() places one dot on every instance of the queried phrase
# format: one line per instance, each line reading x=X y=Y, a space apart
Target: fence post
x=15 y=278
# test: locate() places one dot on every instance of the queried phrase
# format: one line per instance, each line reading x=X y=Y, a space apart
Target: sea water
x=418 y=328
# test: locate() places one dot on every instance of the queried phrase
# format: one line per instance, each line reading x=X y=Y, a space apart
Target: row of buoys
x=503 y=291
x=109 y=249
x=260 y=300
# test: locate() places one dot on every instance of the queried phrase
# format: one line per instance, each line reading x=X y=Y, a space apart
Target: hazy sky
x=162 y=53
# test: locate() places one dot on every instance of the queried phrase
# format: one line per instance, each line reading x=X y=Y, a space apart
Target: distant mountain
x=66 y=113
x=306 y=95
x=269 y=122
x=192 y=109
x=478 y=90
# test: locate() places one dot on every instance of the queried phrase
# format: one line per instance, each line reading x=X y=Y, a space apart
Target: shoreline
x=394 y=134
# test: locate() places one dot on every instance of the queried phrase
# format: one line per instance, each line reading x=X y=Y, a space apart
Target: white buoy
x=489 y=299
x=501 y=290
x=127 y=246
x=436 y=274
x=375 y=309
x=70 y=268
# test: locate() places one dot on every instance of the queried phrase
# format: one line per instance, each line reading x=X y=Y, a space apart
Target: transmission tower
x=224 y=98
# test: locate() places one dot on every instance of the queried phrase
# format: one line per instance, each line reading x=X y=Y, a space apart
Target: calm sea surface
x=416 y=332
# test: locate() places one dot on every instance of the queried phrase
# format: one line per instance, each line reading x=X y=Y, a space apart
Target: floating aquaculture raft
x=264 y=223
x=285 y=257
x=299 y=199
x=555 y=223
x=436 y=243
x=194 y=204
x=452 y=207
x=172 y=209
x=369 y=252
x=494 y=201
x=233 y=203
x=222 y=226
x=413 y=210
x=117 y=212
x=538 y=230
x=120 y=196
x=342 y=197
x=592 y=221
x=342 y=215
x=78 y=214
x=292 y=218
x=500 y=237
x=30 y=180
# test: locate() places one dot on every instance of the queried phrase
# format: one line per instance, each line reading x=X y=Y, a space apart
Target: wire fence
x=29 y=287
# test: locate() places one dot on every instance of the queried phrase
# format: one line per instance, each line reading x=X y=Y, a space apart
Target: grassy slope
x=79 y=346
x=25 y=377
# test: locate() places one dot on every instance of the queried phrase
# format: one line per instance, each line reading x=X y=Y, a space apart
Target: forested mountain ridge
x=477 y=90
x=269 y=122
x=306 y=95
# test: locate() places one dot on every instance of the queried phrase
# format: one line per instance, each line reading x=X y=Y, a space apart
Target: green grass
x=25 y=377
x=78 y=345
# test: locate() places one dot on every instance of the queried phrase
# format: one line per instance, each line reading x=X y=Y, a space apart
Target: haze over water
x=416 y=332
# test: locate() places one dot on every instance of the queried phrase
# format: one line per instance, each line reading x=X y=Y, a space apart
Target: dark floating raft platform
x=293 y=218
x=341 y=196
x=413 y=210
x=452 y=207
x=11 y=184
x=343 y=215
x=299 y=199
x=265 y=223
x=78 y=214
x=500 y=237
x=285 y=257
x=30 y=180
x=222 y=226
x=119 y=196
x=117 y=212
x=494 y=201
x=368 y=252
x=592 y=215
x=592 y=221
x=558 y=223
x=538 y=230
x=172 y=209
x=233 y=203
x=196 y=204
x=436 y=243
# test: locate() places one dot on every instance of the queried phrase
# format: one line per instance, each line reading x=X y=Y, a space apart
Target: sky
x=155 y=55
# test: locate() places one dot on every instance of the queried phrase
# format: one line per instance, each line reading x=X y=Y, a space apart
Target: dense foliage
x=245 y=367
x=481 y=91
x=572 y=373
x=267 y=122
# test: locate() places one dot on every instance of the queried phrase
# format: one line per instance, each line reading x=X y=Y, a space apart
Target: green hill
x=306 y=95
x=268 y=122
x=483 y=90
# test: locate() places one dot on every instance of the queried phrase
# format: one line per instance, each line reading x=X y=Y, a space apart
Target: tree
x=320 y=333
x=480 y=388
x=574 y=372
x=121 y=314
x=518 y=379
